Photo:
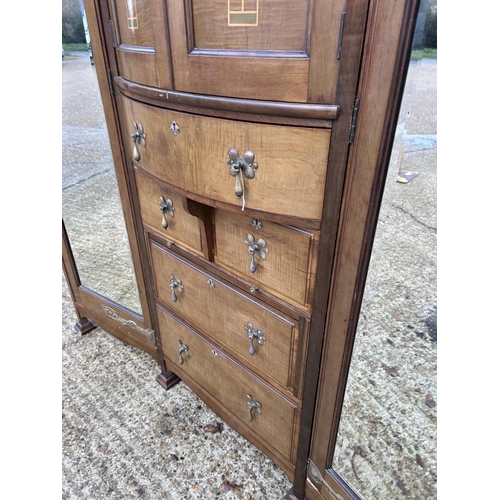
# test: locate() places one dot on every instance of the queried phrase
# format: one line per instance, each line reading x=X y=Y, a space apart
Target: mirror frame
x=93 y=309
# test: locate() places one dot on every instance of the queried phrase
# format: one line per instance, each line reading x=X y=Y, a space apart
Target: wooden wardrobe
x=251 y=140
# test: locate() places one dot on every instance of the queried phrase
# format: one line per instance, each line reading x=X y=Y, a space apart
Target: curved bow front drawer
x=257 y=406
x=271 y=168
x=257 y=335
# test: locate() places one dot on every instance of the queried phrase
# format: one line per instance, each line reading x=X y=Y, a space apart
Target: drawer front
x=161 y=207
x=229 y=317
x=285 y=265
x=292 y=161
x=230 y=384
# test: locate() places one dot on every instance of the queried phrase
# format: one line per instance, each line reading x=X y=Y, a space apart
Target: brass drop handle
x=239 y=167
x=252 y=335
x=258 y=247
x=138 y=137
x=175 y=284
x=182 y=350
x=253 y=405
x=166 y=206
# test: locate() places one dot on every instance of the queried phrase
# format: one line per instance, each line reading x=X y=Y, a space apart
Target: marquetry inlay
x=243 y=12
x=132 y=15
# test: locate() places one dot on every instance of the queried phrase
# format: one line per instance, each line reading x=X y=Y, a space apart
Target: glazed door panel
x=278 y=50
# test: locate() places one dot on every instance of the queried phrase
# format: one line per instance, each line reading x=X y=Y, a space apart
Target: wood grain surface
x=290 y=267
x=281 y=25
x=229 y=383
x=292 y=160
x=184 y=229
x=222 y=313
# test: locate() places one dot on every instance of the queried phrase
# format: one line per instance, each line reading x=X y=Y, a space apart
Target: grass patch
x=75 y=46
x=420 y=54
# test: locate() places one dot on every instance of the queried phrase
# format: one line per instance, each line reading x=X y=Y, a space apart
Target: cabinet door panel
x=141 y=42
x=219 y=46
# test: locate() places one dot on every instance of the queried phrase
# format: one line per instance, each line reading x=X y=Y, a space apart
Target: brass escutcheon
x=175 y=128
x=257 y=224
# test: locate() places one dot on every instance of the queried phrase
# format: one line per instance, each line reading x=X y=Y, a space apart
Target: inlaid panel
x=141 y=41
x=250 y=24
x=275 y=50
x=134 y=21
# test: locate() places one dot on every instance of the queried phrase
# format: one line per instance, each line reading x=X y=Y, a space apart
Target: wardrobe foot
x=167 y=380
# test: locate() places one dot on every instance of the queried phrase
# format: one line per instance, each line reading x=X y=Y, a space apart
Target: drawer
x=160 y=206
x=286 y=265
x=229 y=318
x=229 y=383
x=292 y=161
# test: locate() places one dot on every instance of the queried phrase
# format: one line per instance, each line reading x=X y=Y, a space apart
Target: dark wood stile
x=348 y=77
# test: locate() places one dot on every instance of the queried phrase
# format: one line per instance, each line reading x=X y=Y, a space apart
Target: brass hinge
x=341 y=35
x=111 y=84
x=314 y=474
x=354 y=121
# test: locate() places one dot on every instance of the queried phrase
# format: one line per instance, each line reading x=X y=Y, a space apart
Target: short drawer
x=257 y=335
x=190 y=152
x=273 y=418
x=162 y=211
x=280 y=259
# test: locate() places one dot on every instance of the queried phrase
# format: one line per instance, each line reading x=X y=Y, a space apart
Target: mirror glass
x=91 y=205
x=387 y=441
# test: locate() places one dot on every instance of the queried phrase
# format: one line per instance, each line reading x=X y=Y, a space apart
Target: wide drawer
x=277 y=258
x=257 y=335
x=162 y=210
x=277 y=419
x=190 y=152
